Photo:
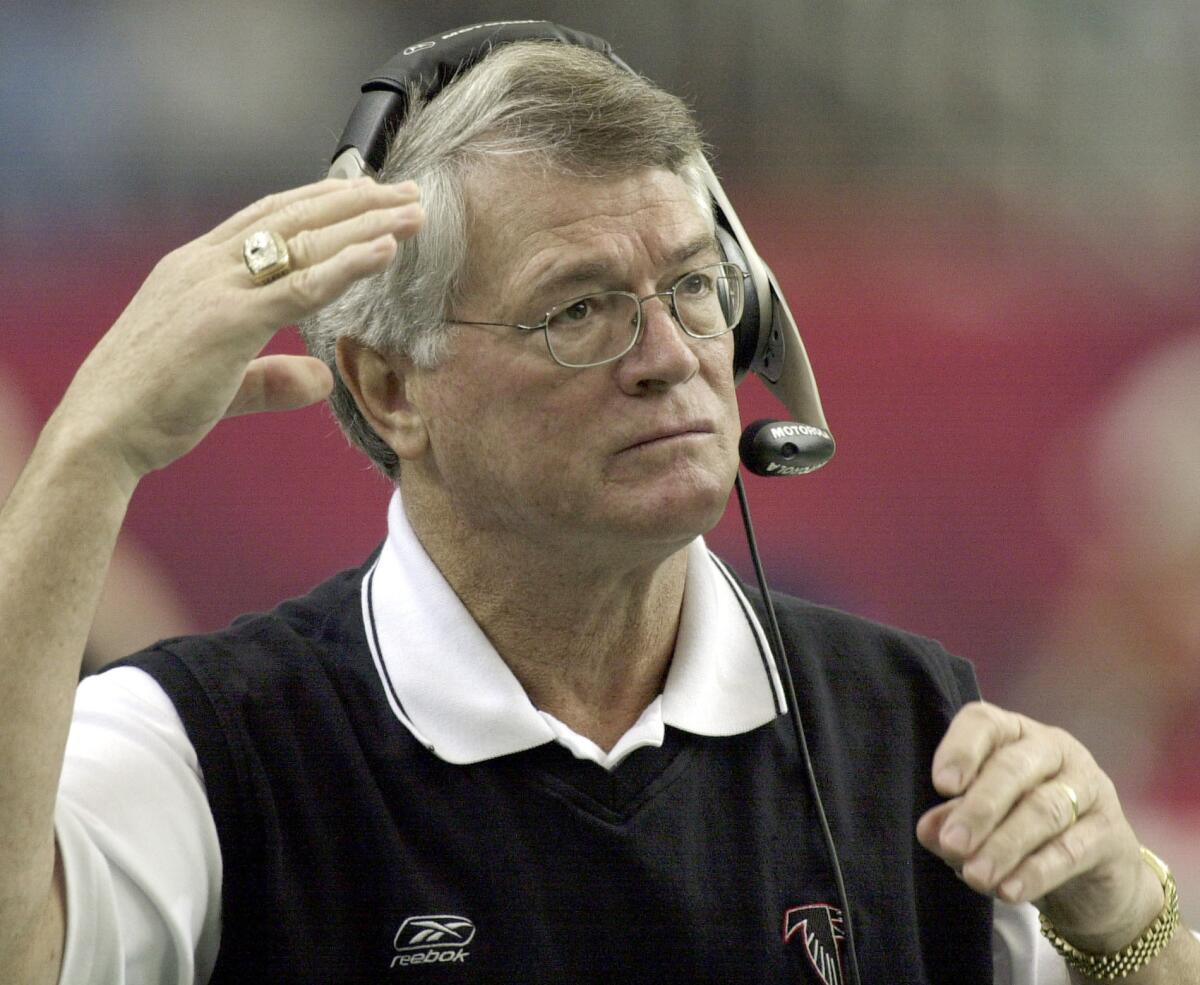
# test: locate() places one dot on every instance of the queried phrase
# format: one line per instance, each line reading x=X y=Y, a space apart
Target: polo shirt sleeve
x=1020 y=954
x=137 y=839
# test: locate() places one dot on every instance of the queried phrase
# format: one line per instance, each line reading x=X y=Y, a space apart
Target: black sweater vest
x=351 y=854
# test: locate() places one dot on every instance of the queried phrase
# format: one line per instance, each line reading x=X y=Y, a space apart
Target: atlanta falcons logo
x=820 y=926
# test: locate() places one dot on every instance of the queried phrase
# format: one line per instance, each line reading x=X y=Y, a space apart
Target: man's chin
x=675 y=509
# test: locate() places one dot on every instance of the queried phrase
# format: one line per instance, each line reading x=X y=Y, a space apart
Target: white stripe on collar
x=450 y=688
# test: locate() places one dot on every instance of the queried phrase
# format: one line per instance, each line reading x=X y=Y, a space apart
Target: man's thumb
x=281 y=383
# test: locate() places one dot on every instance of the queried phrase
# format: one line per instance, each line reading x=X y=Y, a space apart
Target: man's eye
x=577 y=311
x=577 y=314
x=695 y=285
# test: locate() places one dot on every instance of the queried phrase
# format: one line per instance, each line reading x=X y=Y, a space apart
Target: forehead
x=532 y=229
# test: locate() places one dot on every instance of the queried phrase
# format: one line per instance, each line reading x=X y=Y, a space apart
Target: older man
x=533 y=738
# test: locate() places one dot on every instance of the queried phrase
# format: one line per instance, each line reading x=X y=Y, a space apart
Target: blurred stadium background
x=984 y=214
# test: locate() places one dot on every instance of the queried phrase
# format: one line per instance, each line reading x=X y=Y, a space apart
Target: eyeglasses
x=600 y=328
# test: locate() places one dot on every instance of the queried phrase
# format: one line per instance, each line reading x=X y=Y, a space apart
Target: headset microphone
x=784 y=447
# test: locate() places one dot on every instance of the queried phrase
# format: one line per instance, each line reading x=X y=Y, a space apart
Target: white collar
x=445 y=681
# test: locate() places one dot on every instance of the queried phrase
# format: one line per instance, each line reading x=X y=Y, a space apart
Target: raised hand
x=183 y=353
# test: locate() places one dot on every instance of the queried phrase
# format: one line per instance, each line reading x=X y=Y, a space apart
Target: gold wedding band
x=1073 y=797
x=266 y=256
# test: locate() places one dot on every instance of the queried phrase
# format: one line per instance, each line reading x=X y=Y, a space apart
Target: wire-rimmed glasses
x=599 y=328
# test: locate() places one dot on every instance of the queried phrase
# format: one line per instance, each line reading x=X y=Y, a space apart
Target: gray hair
x=540 y=104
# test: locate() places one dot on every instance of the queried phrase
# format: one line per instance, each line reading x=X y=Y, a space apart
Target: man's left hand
x=1011 y=829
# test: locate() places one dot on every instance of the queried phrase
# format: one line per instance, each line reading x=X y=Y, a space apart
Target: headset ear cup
x=746 y=331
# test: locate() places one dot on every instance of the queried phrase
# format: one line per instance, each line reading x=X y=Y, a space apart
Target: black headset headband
x=431 y=65
x=767 y=341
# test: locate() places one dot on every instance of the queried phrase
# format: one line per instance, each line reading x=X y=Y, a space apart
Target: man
x=533 y=739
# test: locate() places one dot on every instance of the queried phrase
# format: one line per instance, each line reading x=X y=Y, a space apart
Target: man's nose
x=663 y=356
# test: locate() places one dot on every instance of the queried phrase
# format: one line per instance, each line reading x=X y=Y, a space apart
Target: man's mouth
x=660 y=437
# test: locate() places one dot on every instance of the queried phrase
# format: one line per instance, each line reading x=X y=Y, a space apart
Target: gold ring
x=1073 y=797
x=266 y=256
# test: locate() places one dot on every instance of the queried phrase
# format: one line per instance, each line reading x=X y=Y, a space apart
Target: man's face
x=640 y=452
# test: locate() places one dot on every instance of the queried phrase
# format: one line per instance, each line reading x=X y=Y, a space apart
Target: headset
x=767 y=342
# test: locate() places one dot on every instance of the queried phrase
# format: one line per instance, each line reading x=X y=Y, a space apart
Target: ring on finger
x=266 y=256
x=1072 y=797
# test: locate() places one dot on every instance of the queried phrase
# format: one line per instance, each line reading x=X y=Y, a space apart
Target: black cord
x=785 y=674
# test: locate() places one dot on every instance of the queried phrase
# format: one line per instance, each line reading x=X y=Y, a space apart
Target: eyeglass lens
x=599 y=327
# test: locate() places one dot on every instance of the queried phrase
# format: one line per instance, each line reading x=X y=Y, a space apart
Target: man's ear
x=379 y=384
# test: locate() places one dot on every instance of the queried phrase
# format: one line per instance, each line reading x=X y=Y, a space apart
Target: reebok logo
x=433 y=939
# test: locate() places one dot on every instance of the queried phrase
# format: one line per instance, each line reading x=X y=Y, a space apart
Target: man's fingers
x=1010 y=773
x=280 y=382
x=304 y=291
x=311 y=246
x=1056 y=862
x=1037 y=847
x=1041 y=816
x=1031 y=874
x=293 y=214
x=334 y=238
x=929 y=829
x=1040 y=845
x=976 y=730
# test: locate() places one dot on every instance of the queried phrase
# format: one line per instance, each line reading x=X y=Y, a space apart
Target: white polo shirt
x=137 y=837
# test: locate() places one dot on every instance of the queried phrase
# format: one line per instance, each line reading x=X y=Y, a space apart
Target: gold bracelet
x=1110 y=967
